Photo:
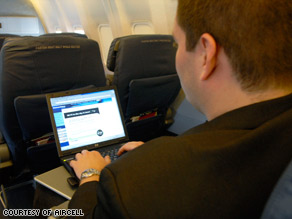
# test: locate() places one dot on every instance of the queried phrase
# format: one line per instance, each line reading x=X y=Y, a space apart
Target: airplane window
x=20 y=25
x=58 y=30
x=78 y=29
x=106 y=37
x=142 y=28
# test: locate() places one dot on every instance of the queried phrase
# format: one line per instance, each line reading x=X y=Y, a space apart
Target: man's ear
x=209 y=46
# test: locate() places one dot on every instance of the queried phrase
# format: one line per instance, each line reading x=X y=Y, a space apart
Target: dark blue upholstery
x=34 y=106
x=279 y=205
x=4 y=36
x=146 y=79
x=160 y=87
x=35 y=66
x=64 y=34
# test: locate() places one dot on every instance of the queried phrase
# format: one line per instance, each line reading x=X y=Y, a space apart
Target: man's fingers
x=121 y=150
x=129 y=146
x=77 y=156
x=84 y=151
x=107 y=159
x=72 y=163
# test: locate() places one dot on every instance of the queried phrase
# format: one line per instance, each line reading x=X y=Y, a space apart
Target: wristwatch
x=89 y=172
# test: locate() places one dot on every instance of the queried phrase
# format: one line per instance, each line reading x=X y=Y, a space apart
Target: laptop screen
x=87 y=118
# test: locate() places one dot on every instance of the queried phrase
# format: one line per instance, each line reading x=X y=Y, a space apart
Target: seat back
x=30 y=67
x=279 y=205
x=146 y=79
x=4 y=36
x=156 y=93
x=65 y=34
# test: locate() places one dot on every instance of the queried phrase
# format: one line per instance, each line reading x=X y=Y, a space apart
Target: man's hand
x=129 y=146
x=93 y=159
x=89 y=159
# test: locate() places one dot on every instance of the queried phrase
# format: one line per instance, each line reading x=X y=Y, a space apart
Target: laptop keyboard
x=108 y=150
x=111 y=151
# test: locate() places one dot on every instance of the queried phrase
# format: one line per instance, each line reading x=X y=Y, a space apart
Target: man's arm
x=89 y=160
x=85 y=197
x=93 y=160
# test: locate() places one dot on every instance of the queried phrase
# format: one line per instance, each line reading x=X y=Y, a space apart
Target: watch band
x=89 y=172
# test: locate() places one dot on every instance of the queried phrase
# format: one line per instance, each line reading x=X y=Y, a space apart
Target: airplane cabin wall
x=19 y=8
x=104 y=20
x=19 y=17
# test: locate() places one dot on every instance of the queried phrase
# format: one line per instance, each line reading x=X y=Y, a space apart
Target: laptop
x=88 y=119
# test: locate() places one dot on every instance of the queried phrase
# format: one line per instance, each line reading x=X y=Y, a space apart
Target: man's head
x=256 y=37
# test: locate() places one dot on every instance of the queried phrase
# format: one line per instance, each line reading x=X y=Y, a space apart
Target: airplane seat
x=65 y=34
x=30 y=67
x=279 y=204
x=146 y=80
x=4 y=36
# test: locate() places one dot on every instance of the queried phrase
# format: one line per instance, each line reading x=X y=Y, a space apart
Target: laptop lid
x=86 y=119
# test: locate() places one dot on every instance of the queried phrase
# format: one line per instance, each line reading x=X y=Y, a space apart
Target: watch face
x=87 y=174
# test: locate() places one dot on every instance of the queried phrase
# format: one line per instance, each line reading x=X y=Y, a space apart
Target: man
x=234 y=63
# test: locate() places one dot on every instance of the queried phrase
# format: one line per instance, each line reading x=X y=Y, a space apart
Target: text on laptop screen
x=85 y=119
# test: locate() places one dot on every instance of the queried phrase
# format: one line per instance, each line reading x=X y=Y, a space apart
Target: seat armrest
x=1 y=138
x=5 y=160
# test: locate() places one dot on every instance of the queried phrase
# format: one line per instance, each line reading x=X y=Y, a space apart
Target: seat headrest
x=140 y=56
x=136 y=47
x=66 y=34
x=53 y=63
x=4 y=36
